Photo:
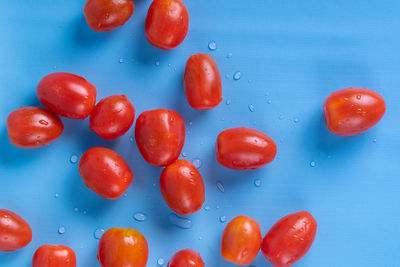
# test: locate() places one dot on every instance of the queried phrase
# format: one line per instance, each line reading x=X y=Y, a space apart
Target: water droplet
x=374 y=140
x=157 y=63
x=121 y=60
x=313 y=163
x=179 y=221
x=190 y=123
x=358 y=97
x=154 y=184
x=131 y=139
x=207 y=208
x=250 y=81
x=43 y=122
x=76 y=209
x=98 y=233
x=56 y=195
x=237 y=75
x=217 y=207
x=84 y=211
x=74 y=159
x=329 y=156
x=296 y=120
x=229 y=55
x=220 y=186
x=200 y=238
x=212 y=45
x=54 y=67
x=257 y=182
x=251 y=108
x=169 y=64
x=184 y=154
x=61 y=230
x=269 y=101
x=227 y=76
x=222 y=219
x=228 y=102
x=197 y=163
x=139 y=216
x=160 y=261
x=281 y=117
x=125 y=194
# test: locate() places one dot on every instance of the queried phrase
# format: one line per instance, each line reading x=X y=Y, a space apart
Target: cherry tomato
x=123 y=247
x=353 y=111
x=105 y=172
x=32 y=127
x=167 y=23
x=186 y=258
x=67 y=94
x=244 y=149
x=54 y=256
x=106 y=15
x=112 y=117
x=15 y=232
x=202 y=82
x=289 y=239
x=241 y=240
x=160 y=136
x=182 y=187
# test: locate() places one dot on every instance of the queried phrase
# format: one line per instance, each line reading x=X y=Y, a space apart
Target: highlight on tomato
x=15 y=232
x=54 y=256
x=186 y=258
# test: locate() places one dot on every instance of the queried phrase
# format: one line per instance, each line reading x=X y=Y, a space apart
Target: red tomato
x=123 y=247
x=182 y=187
x=15 y=232
x=244 y=149
x=186 y=258
x=241 y=240
x=202 y=82
x=289 y=239
x=353 y=111
x=160 y=136
x=112 y=117
x=105 y=172
x=167 y=23
x=67 y=94
x=106 y=15
x=32 y=127
x=54 y=256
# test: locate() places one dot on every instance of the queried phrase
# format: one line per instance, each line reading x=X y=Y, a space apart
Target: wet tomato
x=202 y=82
x=105 y=172
x=244 y=149
x=112 y=117
x=123 y=247
x=67 y=94
x=54 y=256
x=353 y=111
x=289 y=239
x=182 y=187
x=186 y=258
x=32 y=127
x=160 y=136
x=15 y=232
x=167 y=23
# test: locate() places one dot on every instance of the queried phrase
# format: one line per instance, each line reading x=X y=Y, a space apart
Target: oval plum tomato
x=15 y=232
x=167 y=23
x=105 y=172
x=112 y=117
x=106 y=15
x=289 y=239
x=123 y=247
x=54 y=256
x=67 y=94
x=244 y=149
x=32 y=127
x=202 y=82
x=241 y=240
x=186 y=258
x=353 y=111
x=160 y=136
x=182 y=187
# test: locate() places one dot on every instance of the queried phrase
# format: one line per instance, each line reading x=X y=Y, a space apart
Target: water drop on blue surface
x=227 y=76
x=281 y=117
x=98 y=233
x=157 y=63
x=184 y=154
x=296 y=120
x=160 y=261
x=229 y=55
x=269 y=101
x=56 y=195
x=313 y=163
x=197 y=163
x=84 y=211
x=228 y=102
x=251 y=108
x=73 y=159
x=190 y=123
x=76 y=209
x=179 y=221
x=374 y=140
x=139 y=216
x=257 y=182
x=131 y=139
x=237 y=75
x=222 y=219
x=121 y=60
x=212 y=45
x=220 y=186
x=207 y=207
x=61 y=230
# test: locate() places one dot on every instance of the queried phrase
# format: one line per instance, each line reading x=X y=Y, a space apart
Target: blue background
x=292 y=54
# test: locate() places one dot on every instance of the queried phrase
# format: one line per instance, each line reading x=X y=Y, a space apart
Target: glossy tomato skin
x=202 y=82
x=105 y=172
x=54 y=256
x=106 y=15
x=182 y=187
x=186 y=258
x=123 y=247
x=67 y=94
x=289 y=239
x=167 y=23
x=160 y=136
x=112 y=117
x=15 y=232
x=353 y=111
x=244 y=149
x=32 y=127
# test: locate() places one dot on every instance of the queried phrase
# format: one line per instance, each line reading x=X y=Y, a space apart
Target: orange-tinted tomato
x=182 y=187
x=186 y=258
x=112 y=117
x=123 y=247
x=54 y=256
x=244 y=149
x=353 y=111
x=15 y=232
x=167 y=23
x=241 y=240
x=32 y=127
x=202 y=82
x=105 y=172
x=160 y=136
x=289 y=239
x=106 y=15
x=67 y=94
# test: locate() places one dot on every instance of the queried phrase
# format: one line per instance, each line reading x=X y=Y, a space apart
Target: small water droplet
x=121 y=60
x=296 y=120
x=169 y=64
x=61 y=230
x=197 y=163
x=125 y=194
x=217 y=207
x=56 y=195
x=227 y=76
x=269 y=101
x=281 y=117
x=160 y=261
x=84 y=211
x=250 y=81
x=212 y=46
x=190 y=123
x=200 y=238
x=229 y=55
x=222 y=219
x=74 y=159
x=251 y=108
x=237 y=75
x=257 y=182
x=98 y=233
x=179 y=221
x=131 y=139
x=228 y=102
x=157 y=63
x=76 y=209
x=358 y=97
x=374 y=140
x=139 y=216
x=313 y=163
x=43 y=122
x=184 y=154
x=54 y=67
x=220 y=186
x=329 y=156
x=154 y=184
x=207 y=207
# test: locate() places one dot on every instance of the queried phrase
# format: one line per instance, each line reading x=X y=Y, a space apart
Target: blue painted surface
x=291 y=55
